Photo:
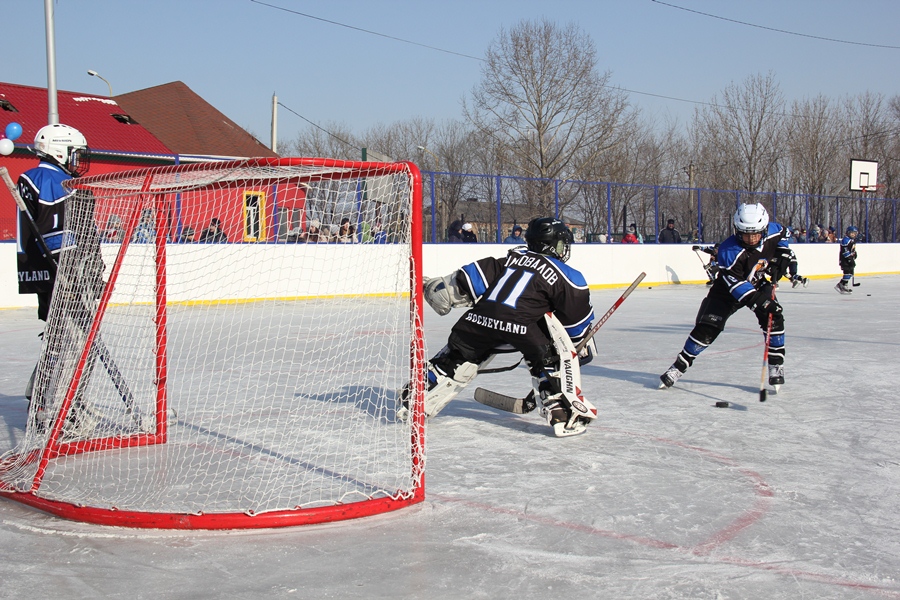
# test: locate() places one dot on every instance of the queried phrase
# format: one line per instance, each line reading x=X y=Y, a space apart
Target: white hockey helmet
x=64 y=145
x=751 y=218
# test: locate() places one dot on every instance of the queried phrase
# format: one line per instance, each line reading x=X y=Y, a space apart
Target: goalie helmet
x=65 y=146
x=549 y=236
x=751 y=218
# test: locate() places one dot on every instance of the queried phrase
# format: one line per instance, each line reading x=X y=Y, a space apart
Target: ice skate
x=80 y=422
x=797 y=281
x=560 y=418
x=776 y=376
x=843 y=287
x=669 y=378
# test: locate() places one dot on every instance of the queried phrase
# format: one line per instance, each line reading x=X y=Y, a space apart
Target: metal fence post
x=608 y=212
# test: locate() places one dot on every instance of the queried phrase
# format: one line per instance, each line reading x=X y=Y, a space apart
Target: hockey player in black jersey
x=744 y=261
x=785 y=263
x=63 y=154
x=515 y=302
x=847 y=260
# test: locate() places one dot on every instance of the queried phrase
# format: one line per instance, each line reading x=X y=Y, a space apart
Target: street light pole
x=93 y=73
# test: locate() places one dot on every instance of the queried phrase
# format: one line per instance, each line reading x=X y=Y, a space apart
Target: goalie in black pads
x=744 y=260
x=530 y=302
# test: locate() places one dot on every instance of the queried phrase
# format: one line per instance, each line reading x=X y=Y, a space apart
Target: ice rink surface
x=665 y=496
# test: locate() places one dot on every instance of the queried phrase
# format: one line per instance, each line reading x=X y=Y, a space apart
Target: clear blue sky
x=237 y=53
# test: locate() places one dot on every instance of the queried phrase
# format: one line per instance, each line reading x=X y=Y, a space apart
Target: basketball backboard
x=863 y=175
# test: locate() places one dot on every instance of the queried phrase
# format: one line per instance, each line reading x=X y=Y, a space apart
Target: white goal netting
x=252 y=373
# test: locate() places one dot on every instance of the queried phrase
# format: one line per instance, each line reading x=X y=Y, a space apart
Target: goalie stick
x=102 y=351
x=528 y=403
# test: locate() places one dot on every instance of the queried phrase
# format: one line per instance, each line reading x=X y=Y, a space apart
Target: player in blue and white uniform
x=744 y=260
x=63 y=154
x=509 y=299
x=847 y=260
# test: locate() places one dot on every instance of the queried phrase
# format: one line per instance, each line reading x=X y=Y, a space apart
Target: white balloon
x=6 y=146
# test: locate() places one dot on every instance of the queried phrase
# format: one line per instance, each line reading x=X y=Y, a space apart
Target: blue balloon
x=13 y=131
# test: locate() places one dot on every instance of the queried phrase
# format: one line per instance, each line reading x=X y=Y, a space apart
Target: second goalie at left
x=530 y=302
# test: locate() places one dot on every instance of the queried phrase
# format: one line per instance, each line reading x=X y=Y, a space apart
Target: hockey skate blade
x=560 y=429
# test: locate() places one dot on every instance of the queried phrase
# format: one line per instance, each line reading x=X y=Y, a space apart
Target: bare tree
x=333 y=140
x=741 y=135
x=814 y=145
x=541 y=97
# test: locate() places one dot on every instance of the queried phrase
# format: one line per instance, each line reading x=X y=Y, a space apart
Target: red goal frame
x=55 y=448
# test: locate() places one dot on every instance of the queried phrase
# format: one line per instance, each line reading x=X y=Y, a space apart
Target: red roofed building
x=187 y=124
x=162 y=125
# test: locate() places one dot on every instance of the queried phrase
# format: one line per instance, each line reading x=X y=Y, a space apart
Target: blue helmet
x=852 y=229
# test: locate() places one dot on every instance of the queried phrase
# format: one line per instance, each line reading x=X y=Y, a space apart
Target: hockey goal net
x=249 y=381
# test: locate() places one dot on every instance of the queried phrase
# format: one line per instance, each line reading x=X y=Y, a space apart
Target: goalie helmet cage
x=233 y=385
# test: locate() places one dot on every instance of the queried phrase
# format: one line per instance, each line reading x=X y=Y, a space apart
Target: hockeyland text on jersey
x=29 y=276
x=535 y=263
x=497 y=324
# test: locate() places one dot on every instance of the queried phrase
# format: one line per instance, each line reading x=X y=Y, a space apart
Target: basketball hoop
x=872 y=189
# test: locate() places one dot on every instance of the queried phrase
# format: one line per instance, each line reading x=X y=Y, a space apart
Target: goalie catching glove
x=443 y=294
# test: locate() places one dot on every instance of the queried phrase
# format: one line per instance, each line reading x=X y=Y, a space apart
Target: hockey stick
x=527 y=404
x=853 y=280
x=103 y=352
x=763 y=392
x=609 y=313
x=706 y=266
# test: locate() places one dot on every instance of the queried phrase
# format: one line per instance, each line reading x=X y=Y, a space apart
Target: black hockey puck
x=722 y=404
x=868 y=294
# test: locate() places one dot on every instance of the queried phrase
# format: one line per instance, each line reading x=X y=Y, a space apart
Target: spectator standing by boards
x=669 y=235
x=515 y=237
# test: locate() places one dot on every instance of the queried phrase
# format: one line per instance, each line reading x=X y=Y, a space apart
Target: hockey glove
x=587 y=353
x=768 y=307
x=764 y=303
x=443 y=294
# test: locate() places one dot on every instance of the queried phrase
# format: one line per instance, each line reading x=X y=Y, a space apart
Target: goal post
x=243 y=377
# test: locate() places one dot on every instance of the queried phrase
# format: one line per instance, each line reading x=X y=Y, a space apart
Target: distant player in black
x=847 y=260
x=712 y=267
x=785 y=263
x=744 y=260
x=509 y=298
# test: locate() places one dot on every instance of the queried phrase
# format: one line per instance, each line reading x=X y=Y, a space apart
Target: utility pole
x=690 y=170
x=274 y=136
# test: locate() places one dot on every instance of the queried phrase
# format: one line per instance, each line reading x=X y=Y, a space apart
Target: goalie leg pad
x=443 y=388
x=443 y=294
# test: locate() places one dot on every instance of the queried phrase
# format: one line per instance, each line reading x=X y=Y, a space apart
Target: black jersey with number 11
x=513 y=293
